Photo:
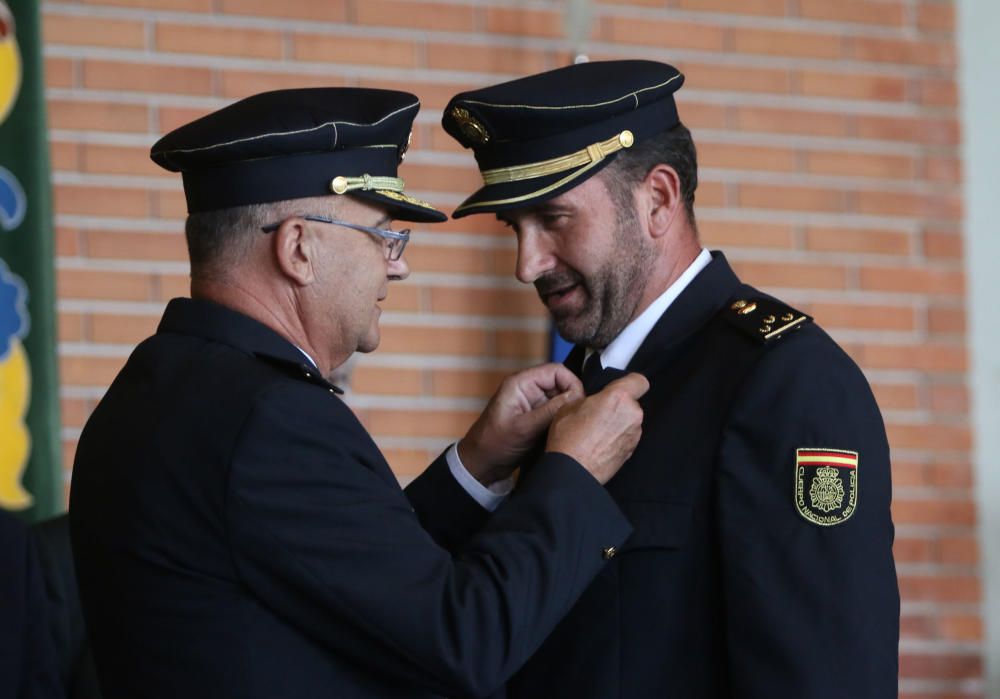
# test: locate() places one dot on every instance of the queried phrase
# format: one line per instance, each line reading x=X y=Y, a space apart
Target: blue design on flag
x=558 y=347
x=13 y=203
x=13 y=309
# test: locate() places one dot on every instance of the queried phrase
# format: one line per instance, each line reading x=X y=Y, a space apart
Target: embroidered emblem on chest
x=826 y=485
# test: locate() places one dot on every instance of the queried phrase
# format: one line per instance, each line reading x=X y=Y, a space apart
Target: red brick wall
x=828 y=136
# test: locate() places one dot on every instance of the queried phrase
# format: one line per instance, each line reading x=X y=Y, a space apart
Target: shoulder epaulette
x=765 y=319
x=300 y=369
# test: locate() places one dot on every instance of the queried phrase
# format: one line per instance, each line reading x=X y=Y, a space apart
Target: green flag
x=30 y=466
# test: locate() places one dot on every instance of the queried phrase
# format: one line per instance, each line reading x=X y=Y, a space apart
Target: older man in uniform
x=235 y=529
x=761 y=561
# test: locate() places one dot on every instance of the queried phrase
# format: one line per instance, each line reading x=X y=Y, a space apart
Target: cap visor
x=403 y=207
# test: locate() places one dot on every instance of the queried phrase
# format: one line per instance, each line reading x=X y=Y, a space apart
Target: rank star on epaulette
x=765 y=319
x=826 y=485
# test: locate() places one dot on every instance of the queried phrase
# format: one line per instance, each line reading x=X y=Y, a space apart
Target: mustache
x=557 y=281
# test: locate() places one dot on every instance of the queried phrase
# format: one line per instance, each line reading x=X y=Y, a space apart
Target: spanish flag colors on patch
x=826 y=484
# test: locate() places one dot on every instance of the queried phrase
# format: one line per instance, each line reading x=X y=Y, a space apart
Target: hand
x=516 y=416
x=602 y=431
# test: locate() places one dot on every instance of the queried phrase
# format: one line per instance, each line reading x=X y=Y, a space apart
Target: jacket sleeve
x=322 y=535
x=810 y=591
x=449 y=514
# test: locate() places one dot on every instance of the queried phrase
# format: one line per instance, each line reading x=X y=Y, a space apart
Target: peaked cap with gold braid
x=292 y=144
x=537 y=137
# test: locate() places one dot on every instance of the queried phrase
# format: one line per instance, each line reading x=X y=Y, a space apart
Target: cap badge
x=469 y=125
x=826 y=485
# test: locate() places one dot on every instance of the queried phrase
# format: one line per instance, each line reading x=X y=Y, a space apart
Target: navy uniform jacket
x=28 y=665
x=69 y=637
x=237 y=533
x=726 y=589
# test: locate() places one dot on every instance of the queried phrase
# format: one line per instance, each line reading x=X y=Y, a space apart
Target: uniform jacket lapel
x=703 y=298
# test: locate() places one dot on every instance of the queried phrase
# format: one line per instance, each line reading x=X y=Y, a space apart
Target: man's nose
x=534 y=257
x=398 y=269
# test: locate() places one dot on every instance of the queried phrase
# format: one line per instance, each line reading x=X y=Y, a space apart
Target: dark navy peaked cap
x=291 y=144
x=537 y=137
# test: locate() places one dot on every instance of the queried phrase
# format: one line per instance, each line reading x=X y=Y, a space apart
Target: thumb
x=540 y=418
x=634 y=384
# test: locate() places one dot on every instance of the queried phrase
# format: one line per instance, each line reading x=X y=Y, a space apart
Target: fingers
x=634 y=384
x=540 y=383
x=565 y=380
x=537 y=420
x=550 y=378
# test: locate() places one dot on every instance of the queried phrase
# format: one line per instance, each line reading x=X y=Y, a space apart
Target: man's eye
x=554 y=220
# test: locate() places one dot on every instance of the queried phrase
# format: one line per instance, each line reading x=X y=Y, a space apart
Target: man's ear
x=293 y=248
x=663 y=189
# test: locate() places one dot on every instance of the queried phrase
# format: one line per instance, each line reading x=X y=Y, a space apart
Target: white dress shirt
x=616 y=355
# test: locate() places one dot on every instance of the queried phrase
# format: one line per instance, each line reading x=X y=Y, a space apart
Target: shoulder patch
x=765 y=319
x=826 y=484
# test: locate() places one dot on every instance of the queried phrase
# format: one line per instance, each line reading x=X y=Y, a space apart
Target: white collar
x=311 y=361
x=620 y=351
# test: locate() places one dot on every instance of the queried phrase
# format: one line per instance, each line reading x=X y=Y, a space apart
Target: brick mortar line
x=427 y=319
x=833 y=183
x=442 y=361
x=110 y=181
x=876 y=336
x=721 y=20
x=821 y=218
x=794 y=295
x=307 y=27
x=926 y=417
x=803 y=145
x=401 y=319
x=936 y=569
x=417 y=442
x=913 y=607
x=930 y=531
x=823 y=144
x=912 y=418
x=894 y=377
x=102 y=138
x=133 y=266
x=427 y=235
x=973 y=688
x=913 y=228
x=729 y=98
x=814 y=218
x=771 y=22
x=100 y=306
x=212 y=61
x=793 y=65
x=836 y=257
x=718 y=137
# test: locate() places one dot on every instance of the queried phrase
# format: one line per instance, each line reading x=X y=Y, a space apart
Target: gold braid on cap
x=341 y=184
x=593 y=153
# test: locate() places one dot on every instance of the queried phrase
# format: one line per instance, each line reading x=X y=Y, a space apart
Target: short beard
x=613 y=291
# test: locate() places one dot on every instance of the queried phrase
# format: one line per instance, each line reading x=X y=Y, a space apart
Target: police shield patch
x=826 y=485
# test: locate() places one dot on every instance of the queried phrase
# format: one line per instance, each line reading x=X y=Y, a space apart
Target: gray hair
x=220 y=240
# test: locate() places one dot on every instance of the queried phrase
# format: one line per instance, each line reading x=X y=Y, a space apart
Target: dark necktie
x=595 y=377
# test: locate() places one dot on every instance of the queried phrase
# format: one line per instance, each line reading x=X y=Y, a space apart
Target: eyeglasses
x=395 y=241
